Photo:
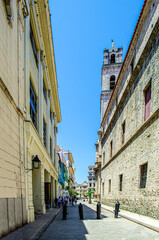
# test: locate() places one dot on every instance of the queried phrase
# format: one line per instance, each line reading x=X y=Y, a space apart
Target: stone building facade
x=110 y=70
x=29 y=113
x=129 y=133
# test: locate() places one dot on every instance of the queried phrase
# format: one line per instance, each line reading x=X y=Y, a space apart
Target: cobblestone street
x=90 y=228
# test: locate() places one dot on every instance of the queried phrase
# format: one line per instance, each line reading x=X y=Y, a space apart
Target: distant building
x=91 y=178
x=82 y=189
x=71 y=169
x=127 y=149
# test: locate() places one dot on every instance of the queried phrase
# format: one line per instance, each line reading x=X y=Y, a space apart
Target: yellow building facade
x=42 y=110
x=12 y=171
x=29 y=113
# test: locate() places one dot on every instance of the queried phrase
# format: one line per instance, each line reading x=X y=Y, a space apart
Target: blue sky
x=81 y=30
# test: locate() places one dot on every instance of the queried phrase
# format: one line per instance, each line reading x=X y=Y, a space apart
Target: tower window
x=112 y=82
x=112 y=60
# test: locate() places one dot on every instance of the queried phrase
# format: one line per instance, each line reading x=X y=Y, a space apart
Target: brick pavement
x=33 y=230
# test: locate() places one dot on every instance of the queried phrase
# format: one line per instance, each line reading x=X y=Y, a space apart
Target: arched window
x=112 y=60
x=112 y=82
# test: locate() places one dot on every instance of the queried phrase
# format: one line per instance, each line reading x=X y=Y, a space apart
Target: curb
x=44 y=228
x=134 y=220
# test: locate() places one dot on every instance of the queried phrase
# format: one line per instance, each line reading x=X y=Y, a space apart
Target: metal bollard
x=80 y=208
x=64 y=211
x=116 y=211
x=98 y=210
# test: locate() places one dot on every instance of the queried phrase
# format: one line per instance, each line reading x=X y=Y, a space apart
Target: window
x=50 y=116
x=90 y=179
x=33 y=44
x=123 y=132
x=94 y=184
x=121 y=182
x=112 y=82
x=51 y=148
x=44 y=132
x=103 y=188
x=54 y=157
x=109 y=186
x=116 y=101
x=90 y=185
x=112 y=60
x=132 y=66
x=111 y=148
x=33 y=105
x=147 y=101
x=44 y=91
x=143 y=175
x=103 y=158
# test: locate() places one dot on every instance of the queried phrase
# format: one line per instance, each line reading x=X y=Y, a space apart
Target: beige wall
x=12 y=174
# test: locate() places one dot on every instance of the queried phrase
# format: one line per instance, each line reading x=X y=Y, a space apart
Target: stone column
x=27 y=66
x=51 y=129
x=43 y=208
x=29 y=189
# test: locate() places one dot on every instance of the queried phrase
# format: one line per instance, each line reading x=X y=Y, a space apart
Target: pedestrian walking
x=59 y=201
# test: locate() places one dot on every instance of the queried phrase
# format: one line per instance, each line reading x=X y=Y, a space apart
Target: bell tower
x=110 y=70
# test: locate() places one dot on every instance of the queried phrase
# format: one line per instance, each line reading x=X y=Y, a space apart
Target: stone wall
x=141 y=137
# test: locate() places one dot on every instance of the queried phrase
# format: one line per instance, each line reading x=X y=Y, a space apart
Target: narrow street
x=91 y=228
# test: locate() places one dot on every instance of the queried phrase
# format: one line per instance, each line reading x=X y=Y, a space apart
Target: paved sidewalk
x=91 y=228
x=34 y=230
x=137 y=218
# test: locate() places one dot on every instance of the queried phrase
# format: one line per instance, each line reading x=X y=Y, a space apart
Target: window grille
x=33 y=106
x=33 y=44
x=51 y=148
x=143 y=175
x=44 y=132
x=44 y=91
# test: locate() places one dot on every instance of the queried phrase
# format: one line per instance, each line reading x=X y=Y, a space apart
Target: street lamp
x=35 y=163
